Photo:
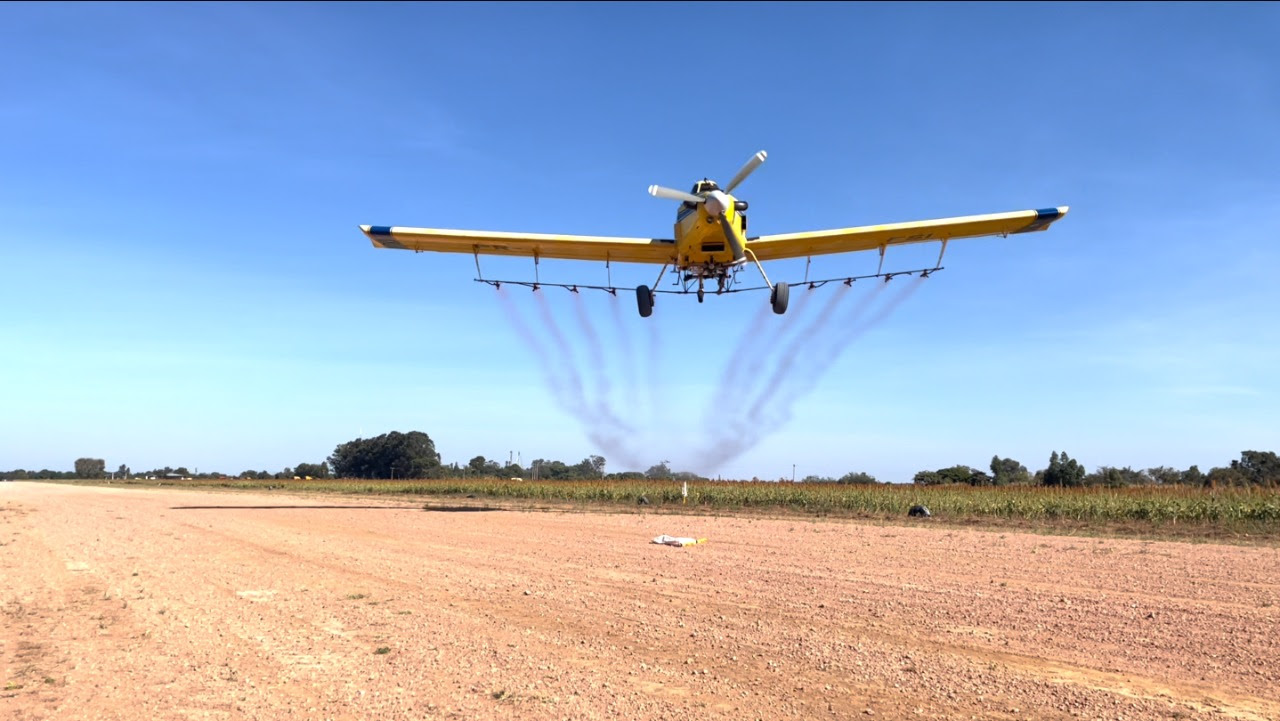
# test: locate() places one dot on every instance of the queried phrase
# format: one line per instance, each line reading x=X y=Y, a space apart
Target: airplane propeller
x=717 y=201
x=658 y=191
x=747 y=169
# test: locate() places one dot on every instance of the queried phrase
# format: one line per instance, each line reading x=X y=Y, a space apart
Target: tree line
x=413 y=455
x=1253 y=468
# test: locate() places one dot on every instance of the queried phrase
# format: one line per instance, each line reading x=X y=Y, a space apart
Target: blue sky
x=184 y=282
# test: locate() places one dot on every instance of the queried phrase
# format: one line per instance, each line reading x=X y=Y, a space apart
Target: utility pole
x=793 y=473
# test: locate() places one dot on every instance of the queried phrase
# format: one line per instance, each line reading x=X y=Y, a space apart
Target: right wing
x=870 y=237
x=534 y=245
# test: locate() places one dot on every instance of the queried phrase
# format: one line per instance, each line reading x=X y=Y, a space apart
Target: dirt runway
x=177 y=604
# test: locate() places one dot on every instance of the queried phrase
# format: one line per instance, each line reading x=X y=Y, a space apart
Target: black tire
x=644 y=299
x=701 y=293
x=779 y=297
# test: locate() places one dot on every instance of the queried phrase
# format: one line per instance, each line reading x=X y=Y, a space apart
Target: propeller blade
x=739 y=253
x=658 y=191
x=747 y=169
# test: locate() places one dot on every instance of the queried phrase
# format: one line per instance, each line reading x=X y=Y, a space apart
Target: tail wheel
x=779 y=297
x=644 y=300
x=701 y=294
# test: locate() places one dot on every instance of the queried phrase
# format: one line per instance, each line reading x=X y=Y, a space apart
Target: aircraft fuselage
x=700 y=236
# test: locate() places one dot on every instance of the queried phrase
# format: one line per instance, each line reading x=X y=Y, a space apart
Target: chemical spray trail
x=535 y=346
x=567 y=364
x=759 y=352
x=560 y=369
x=753 y=350
x=603 y=392
x=800 y=364
x=740 y=423
x=630 y=368
x=602 y=426
x=621 y=448
x=809 y=343
x=829 y=346
x=651 y=375
x=804 y=382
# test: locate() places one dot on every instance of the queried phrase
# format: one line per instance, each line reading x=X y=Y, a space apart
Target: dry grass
x=1176 y=510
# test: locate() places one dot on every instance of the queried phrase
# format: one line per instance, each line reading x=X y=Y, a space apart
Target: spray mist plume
x=775 y=363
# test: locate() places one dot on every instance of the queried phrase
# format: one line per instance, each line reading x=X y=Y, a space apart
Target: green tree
x=551 y=470
x=858 y=477
x=122 y=471
x=407 y=455
x=928 y=478
x=1112 y=477
x=1063 y=471
x=1261 y=468
x=1193 y=477
x=1226 y=476
x=90 y=468
x=660 y=471
x=1164 y=475
x=315 y=470
x=597 y=466
x=1006 y=471
x=961 y=474
x=952 y=474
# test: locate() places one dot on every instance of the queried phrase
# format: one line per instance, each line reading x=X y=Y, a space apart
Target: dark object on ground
x=919 y=512
x=642 y=501
x=471 y=495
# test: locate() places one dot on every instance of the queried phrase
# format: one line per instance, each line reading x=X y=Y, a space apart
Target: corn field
x=1155 y=504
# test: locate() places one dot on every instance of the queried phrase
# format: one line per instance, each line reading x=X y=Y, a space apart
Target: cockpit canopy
x=704 y=186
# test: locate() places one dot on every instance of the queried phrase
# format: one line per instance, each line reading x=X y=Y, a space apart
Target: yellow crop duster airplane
x=711 y=242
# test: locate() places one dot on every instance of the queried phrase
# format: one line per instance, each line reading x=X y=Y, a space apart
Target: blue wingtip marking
x=380 y=230
x=1043 y=218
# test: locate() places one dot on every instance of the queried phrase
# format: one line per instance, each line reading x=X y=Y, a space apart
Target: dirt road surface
x=179 y=604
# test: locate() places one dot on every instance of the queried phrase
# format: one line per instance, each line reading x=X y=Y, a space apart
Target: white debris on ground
x=678 y=540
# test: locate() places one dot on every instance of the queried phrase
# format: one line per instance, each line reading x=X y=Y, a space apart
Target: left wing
x=870 y=237
x=570 y=247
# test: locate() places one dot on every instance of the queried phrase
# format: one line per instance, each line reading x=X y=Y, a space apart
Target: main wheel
x=644 y=299
x=701 y=293
x=779 y=297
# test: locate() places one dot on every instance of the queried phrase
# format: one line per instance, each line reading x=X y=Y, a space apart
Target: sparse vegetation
x=382 y=650
x=1155 y=504
x=1241 y=499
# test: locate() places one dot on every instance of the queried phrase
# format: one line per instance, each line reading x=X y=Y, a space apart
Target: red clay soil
x=168 y=604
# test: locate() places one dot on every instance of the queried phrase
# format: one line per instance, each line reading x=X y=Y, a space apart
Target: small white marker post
x=684 y=494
